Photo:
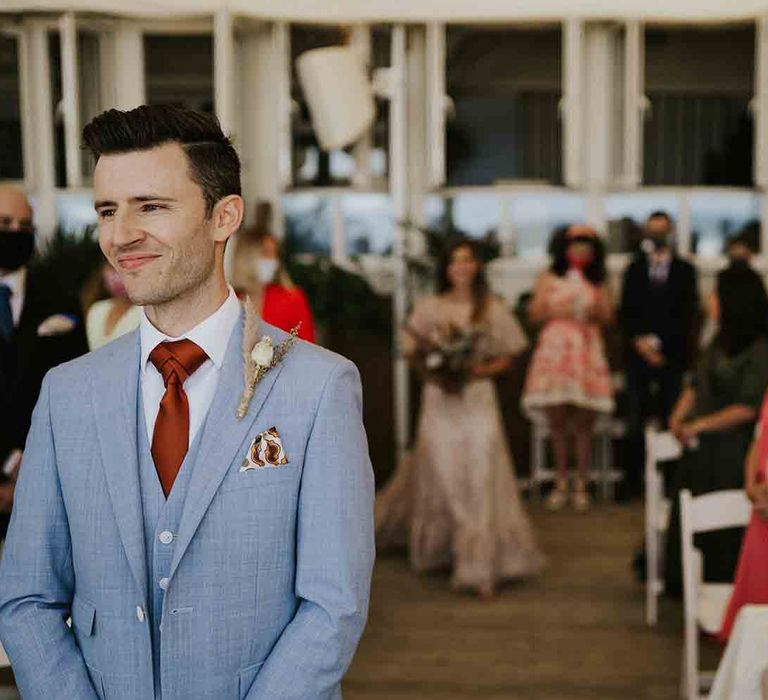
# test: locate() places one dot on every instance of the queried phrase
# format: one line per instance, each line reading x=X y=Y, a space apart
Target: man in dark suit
x=659 y=307
x=40 y=327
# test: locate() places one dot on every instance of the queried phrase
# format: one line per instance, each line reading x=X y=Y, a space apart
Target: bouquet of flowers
x=446 y=360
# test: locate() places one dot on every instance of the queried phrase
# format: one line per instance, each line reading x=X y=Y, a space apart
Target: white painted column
x=26 y=107
x=71 y=99
x=436 y=100
x=573 y=101
x=128 y=67
x=361 y=41
x=398 y=185
x=635 y=103
x=224 y=69
x=281 y=65
x=37 y=119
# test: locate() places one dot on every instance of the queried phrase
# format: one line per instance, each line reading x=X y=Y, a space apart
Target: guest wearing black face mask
x=659 y=306
x=40 y=327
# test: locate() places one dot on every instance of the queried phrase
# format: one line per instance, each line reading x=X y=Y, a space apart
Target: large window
x=699 y=83
x=179 y=70
x=11 y=161
x=505 y=86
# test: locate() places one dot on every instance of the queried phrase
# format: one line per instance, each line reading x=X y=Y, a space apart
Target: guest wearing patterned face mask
x=114 y=316
x=258 y=272
x=40 y=327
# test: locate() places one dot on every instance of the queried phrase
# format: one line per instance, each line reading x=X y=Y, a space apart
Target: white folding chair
x=607 y=429
x=704 y=603
x=659 y=447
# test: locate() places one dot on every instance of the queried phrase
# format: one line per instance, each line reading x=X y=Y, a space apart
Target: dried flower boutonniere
x=259 y=356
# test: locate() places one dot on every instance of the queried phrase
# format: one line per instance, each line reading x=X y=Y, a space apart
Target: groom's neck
x=180 y=315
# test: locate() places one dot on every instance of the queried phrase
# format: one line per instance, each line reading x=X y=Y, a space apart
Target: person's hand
x=687 y=433
x=646 y=347
x=6 y=496
x=562 y=309
x=12 y=464
x=675 y=427
x=758 y=494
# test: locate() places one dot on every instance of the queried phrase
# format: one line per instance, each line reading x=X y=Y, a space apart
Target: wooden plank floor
x=576 y=632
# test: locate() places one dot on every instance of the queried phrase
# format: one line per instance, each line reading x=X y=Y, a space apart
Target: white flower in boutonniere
x=259 y=356
x=263 y=352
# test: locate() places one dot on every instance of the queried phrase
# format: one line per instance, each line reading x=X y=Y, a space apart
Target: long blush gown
x=454 y=500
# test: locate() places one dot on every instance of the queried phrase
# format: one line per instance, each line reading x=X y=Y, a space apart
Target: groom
x=201 y=556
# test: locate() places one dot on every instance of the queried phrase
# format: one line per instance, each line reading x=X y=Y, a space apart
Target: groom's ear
x=227 y=216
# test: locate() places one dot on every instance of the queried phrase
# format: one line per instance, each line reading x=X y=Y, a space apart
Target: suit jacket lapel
x=117 y=381
x=220 y=443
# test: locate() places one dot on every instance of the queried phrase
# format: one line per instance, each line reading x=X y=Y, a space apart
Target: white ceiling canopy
x=326 y=11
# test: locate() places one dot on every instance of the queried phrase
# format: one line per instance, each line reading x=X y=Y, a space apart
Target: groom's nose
x=126 y=230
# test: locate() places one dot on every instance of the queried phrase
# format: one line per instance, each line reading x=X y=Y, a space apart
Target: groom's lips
x=134 y=262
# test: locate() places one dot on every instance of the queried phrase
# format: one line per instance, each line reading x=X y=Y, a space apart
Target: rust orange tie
x=176 y=361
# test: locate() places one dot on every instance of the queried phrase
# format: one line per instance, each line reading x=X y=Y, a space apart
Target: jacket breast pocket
x=255 y=478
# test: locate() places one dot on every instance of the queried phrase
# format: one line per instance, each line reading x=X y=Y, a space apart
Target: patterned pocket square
x=266 y=451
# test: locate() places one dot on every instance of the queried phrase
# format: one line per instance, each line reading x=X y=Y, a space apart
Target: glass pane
x=700 y=83
x=75 y=212
x=534 y=217
x=59 y=153
x=473 y=215
x=626 y=214
x=11 y=160
x=179 y=70
x=717 y=217
x=506 y=87
x=91 y=102
x=308 y=223
x=368 y=223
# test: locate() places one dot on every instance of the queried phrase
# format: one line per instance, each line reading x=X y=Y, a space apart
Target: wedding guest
x=259 y=272
x=40 y=327
x=455 y=498
x=113 y=317
x=739 y=248
x=659 y=305
x=714 y=417
x=751 y=583
x=569 y=381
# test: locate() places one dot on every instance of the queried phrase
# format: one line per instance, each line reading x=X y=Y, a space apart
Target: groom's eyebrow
x=133 y=200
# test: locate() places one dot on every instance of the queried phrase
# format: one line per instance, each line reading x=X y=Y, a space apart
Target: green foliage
x=67 y=261
x=341 y=301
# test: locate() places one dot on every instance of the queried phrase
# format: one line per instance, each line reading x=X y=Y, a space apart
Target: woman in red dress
x=259 y=273
x=751 y=585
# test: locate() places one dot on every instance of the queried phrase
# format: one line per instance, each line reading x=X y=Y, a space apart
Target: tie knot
x=178 y=359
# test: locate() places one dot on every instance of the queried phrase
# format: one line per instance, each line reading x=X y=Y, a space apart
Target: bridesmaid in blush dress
x=454 y=499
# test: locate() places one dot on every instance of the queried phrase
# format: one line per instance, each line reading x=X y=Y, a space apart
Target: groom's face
x=153 y=226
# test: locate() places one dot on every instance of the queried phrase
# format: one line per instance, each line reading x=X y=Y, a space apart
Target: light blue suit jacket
x=269 y=584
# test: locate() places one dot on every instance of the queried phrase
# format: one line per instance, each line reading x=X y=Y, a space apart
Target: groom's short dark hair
x=213 y=161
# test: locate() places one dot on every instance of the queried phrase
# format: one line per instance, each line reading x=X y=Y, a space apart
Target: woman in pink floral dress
x=568 y=381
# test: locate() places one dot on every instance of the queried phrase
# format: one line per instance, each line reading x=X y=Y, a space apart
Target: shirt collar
x=212 y=334
x=15 y=281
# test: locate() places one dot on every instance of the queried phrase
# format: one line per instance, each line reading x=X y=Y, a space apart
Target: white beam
x=71 y=99
x=573 y=99
x=361 y=41
x=26 y=107
x=281 y=63
x=224 y=69
x=760 y=106
x=398 y=183
x=436 y=100
x=39 y=126
x=634 y=103
x=129 y=76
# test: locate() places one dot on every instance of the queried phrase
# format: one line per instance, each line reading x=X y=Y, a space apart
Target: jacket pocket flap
x=83 y=616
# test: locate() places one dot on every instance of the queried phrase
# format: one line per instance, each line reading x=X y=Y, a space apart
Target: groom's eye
x=106 y=213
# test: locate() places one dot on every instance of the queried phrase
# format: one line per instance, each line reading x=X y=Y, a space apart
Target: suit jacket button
x=139 y=613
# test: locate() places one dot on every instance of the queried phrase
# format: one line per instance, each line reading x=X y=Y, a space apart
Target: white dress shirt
x=17 y=282
x=212 y=335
